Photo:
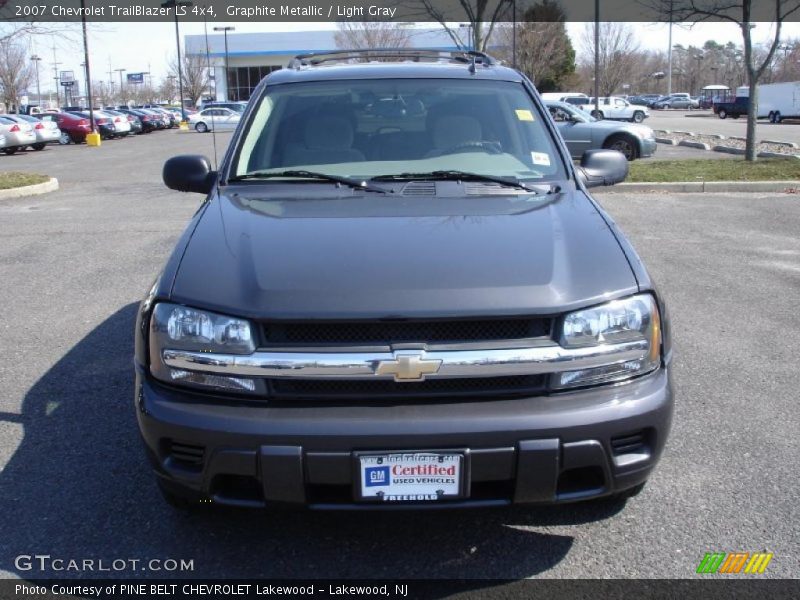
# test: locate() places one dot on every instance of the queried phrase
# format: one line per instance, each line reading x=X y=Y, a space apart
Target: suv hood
x=258 y=256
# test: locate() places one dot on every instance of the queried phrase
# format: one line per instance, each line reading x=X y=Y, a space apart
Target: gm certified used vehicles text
x=398 y=292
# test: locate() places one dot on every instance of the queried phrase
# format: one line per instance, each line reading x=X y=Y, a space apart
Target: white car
x=45 y=131
x=616 y=108
x=18 y=135
x=121 y=124
x=215 y=118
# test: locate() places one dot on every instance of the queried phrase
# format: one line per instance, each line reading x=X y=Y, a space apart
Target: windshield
x=394 y=127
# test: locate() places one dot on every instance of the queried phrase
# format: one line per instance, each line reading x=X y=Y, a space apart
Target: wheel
x=64 y=139
x=778 y=117
x=735 y=115
x=723 y=114
x=39 y=146
x=624 y=144
x=638 y=116
x=201 y=127
x=10 y=150
x=597 y=114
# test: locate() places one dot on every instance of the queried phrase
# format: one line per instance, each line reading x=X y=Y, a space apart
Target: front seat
x=450 y=131
x=326 y=140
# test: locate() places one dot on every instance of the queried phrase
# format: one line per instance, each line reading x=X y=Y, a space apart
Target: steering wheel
x=488 y=147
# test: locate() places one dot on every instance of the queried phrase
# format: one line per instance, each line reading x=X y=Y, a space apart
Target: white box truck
x=776 y=101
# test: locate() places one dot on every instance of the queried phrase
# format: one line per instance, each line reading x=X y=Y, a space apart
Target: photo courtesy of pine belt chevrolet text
x=399 y=293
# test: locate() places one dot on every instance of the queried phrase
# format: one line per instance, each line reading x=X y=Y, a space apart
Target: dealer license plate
x=411 y=476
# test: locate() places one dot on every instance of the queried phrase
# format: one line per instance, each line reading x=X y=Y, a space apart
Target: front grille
x=391 y=332
x=332 y=389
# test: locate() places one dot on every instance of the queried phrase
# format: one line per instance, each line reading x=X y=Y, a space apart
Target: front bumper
x=544 y=449
x=649 y=146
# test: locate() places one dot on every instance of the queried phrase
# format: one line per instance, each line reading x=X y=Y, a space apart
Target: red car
x=73 y=128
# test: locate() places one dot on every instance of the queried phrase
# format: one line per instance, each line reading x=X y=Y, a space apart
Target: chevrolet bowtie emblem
x=408 y=367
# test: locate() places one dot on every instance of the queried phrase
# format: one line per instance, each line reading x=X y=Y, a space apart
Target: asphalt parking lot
x=74 y=483
x=706 y=122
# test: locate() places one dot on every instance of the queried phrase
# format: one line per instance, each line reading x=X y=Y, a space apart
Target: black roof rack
x=467 y=57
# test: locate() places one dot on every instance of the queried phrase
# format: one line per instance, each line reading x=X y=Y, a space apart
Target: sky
x=121 y=45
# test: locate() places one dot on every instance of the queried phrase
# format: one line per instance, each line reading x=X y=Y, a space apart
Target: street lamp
x=225 y=31
x=174 y=4
x=36 y=59
x=121 y=97
x=468 y=27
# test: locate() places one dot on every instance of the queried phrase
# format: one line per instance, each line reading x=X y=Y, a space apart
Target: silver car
x=45 y=131
x=18 y=135
x=582 y=132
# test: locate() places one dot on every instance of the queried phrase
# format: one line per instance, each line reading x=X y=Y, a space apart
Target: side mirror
x=189 y=173
x=602 y=167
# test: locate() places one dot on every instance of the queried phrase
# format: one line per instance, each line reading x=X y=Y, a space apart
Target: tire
x=735 y=115
x=723 y=114
x=623 y=143
x=201 y=127
x=638 y=116
x=10 y=150
x=39 y=146
x=778 y=117
x=598 y=114
x=64 y=139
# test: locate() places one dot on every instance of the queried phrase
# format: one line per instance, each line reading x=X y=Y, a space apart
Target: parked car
x=170 y=120
x=236 y=106
x=644 y=99
x=133 y=121
x=223 y=119
x=45 y=131
x=433 y=313
x=734 y=108
x=122 y=126
x=18 y=134
x=104 y=124
x=73 y=127
x=2 y=141
x=161 y=120
x=148 y=122
x=678 y=100
x=583 y=132
x=616 y=108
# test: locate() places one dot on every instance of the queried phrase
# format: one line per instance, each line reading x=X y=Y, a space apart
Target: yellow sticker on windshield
x=524 y=115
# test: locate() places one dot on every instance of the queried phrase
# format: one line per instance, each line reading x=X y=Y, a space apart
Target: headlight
x=175 y=327
x=633 y=319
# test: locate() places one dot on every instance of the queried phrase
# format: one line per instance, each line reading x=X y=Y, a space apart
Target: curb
x=703 y=186
x=30 y=190
x=699 y=145
x=728 y=149
x=777 y=143
x=667 y=141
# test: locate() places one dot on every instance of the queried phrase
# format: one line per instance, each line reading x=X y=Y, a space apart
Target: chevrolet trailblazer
x=399 y=293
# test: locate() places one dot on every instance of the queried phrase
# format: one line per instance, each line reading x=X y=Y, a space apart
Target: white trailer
x=776 y=101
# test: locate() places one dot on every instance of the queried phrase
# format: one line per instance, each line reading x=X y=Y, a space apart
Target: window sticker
x=524 y=115
x=540 y=158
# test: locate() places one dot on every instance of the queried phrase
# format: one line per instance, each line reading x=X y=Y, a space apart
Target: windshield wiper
x=353 y=183
x=455 y=175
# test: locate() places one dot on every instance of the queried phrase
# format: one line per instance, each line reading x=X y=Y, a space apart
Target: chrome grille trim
x=453 y=363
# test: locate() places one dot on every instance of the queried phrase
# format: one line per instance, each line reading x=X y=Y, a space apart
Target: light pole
x=36 y=60
x=174 y=4
x=225 y=31
x=121 y=97
x=92 y=139
x=698 y=58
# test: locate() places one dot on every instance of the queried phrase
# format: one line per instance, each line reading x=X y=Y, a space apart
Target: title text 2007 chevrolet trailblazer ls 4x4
x=398 y=293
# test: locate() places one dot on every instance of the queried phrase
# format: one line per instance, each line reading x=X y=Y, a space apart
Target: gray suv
x=398 y=292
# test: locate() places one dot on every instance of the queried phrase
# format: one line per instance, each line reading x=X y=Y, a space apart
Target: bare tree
x=741 y=12
x=481 y=17
x=195 y=76
x=618 y=54
x=16 y=73
x=371 y=34
x=544 y=51
x=168 y=90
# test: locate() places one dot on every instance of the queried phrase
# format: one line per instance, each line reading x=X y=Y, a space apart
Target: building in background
x=253 y=56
